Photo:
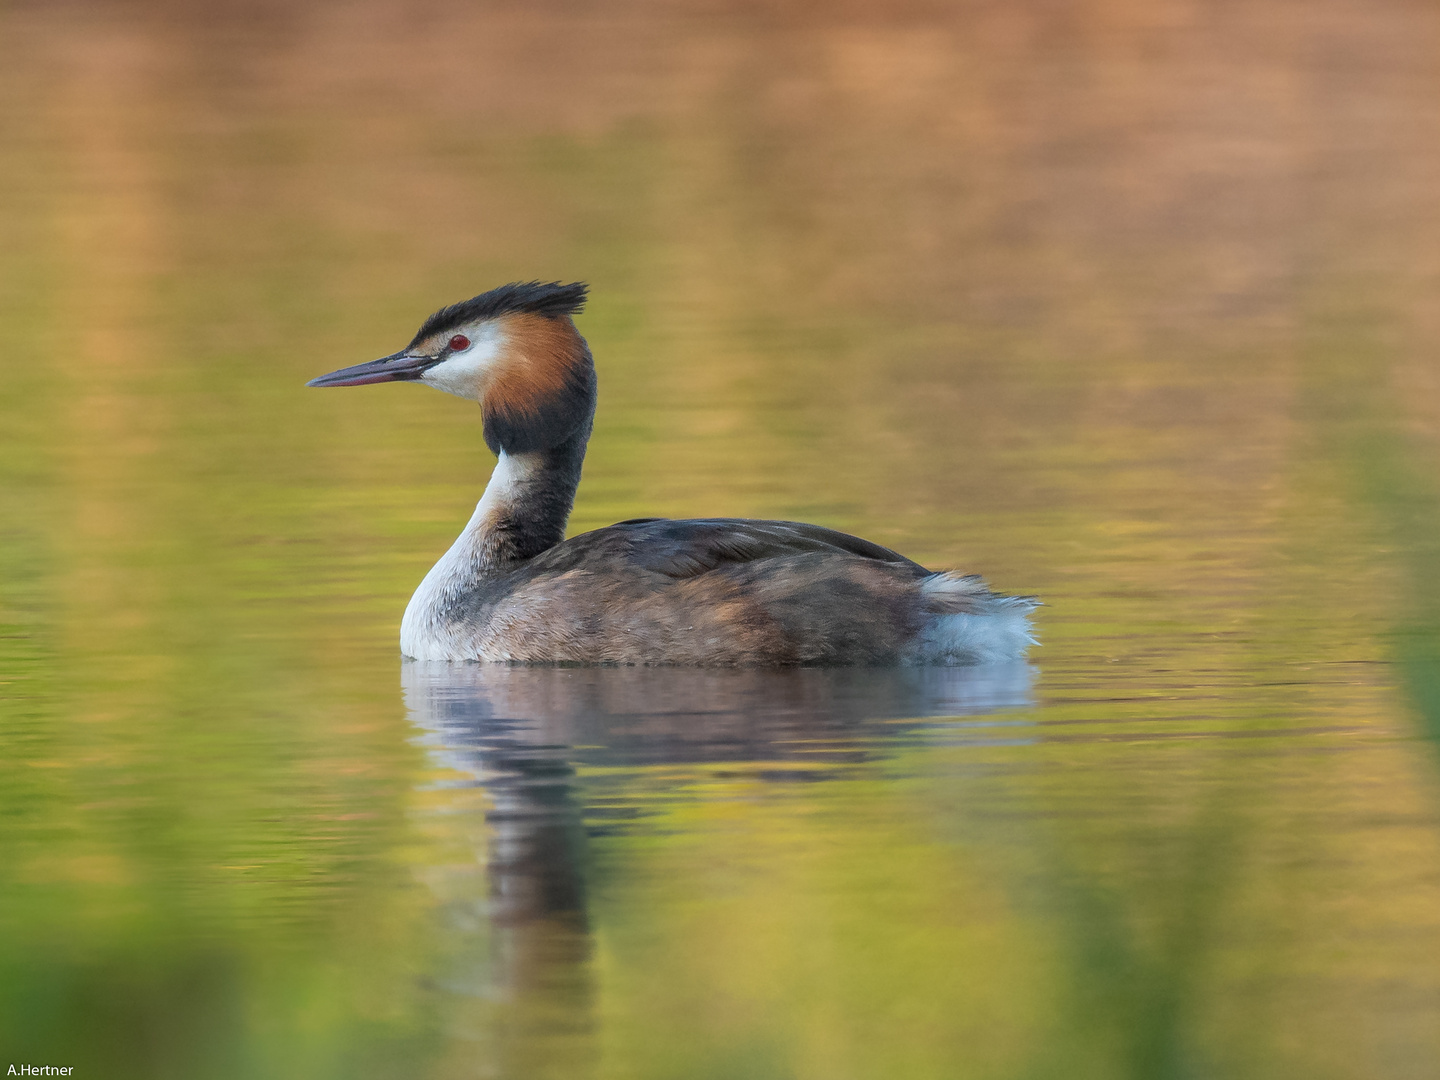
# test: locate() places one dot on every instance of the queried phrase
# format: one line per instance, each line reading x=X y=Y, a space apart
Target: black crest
x=548 y=298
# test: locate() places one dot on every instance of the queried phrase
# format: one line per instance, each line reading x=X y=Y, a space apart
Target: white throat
x=433 y=627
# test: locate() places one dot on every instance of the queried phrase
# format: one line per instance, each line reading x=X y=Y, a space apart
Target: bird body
x=651 y=590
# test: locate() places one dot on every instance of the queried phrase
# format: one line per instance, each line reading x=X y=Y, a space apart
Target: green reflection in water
x=1020 y=291
x=1362 y=428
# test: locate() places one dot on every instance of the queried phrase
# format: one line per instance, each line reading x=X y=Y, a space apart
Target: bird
x=647 y=591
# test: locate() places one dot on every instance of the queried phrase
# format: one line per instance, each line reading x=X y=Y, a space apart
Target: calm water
x=1135 y=306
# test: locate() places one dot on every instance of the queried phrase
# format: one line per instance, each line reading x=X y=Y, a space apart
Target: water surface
x=1134 y=307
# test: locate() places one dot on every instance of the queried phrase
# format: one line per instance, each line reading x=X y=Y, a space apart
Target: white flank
x=428 y=632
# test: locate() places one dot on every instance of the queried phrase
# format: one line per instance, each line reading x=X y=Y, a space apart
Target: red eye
x=458 y=342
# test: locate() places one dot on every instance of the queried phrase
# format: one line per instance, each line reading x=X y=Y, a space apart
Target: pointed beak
x=397 y=367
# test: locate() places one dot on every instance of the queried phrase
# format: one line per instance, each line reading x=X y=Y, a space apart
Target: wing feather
x=689 y=548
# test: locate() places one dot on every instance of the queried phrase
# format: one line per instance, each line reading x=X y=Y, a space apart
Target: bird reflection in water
x=527 y=736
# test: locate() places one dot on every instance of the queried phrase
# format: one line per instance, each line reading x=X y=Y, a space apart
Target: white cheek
x=463 y=373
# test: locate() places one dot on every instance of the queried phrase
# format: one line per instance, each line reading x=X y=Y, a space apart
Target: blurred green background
x=1133 y=305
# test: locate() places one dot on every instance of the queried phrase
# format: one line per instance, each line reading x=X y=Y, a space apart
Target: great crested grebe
x=650 y=590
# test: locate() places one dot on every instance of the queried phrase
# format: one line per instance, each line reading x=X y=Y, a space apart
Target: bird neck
x=522 y=513
x=526 y=504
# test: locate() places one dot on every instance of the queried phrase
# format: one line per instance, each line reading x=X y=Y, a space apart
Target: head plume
x=549 y=299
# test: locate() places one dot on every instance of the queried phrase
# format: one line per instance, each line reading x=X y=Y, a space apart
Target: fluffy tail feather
x=969 y=624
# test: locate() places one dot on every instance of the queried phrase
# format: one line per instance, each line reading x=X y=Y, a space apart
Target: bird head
x=515 y=350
